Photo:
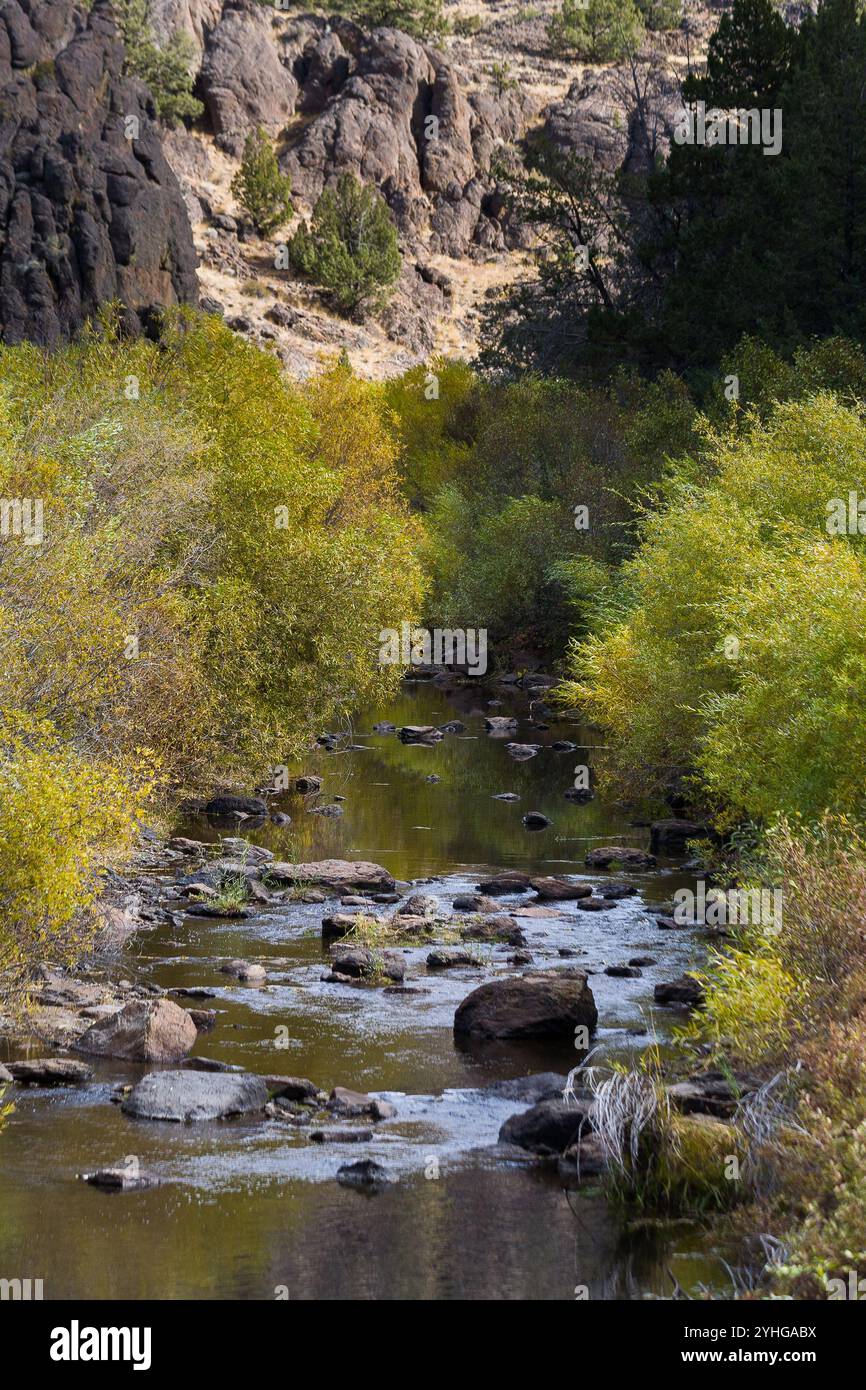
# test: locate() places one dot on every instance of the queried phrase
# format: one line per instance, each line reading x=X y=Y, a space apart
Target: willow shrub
x=220 y=551
x=63 y=817
x=739 y=648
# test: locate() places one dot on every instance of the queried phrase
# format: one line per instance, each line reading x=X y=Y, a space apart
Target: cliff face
x=98 y=202
x=89 y=209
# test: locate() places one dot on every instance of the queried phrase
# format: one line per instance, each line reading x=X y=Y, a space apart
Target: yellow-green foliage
x=62 y=816
x=749 y=995
x=743 y=651
x=221 y=550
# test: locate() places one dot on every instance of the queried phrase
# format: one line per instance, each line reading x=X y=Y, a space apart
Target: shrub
x=62 y=818
x=165 y=70
x=423 y=19
x=661 y=14
x=350 y=246
x=261 y=190
x=740 y=651
x=603 y=31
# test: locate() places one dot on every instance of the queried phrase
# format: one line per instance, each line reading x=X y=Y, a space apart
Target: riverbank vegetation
x=216 y=553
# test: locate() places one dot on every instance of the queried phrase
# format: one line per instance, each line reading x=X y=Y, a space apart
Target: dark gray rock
x=48 y=1071
x=543 y=1085
x=686 y=991
x=226 y=805
x=672 y=836
x=88 y=215
x=550 y=1127
x=366 y=1173
x=549 y=1005
x=190 y=1096
x=607 y=855
x=242 y=81
x=500 y=885
x=559 y=889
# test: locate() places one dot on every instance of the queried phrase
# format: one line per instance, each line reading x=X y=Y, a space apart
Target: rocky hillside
x=92 y=214
x=90 y=210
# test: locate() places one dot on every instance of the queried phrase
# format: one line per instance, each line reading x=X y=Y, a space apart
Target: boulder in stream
x=686 y=991
x=366 y=1173
x=191 y=1096
x=48 y=1071
x=500 y=724
x=145 y=1030
x=338 y=874
x=509 y=881
x=560 y=889
x=547 y=1005
x=672 y=836
x=625 y=855
x=550 y=1127
x=249 y=971
x=228 y=805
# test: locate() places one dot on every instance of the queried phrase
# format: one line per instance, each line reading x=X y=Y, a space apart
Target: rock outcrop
x=394 y=112
x=91 y=211
x=242 y=81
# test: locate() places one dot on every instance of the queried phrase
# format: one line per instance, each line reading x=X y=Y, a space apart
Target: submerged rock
x=192 y=1096
x=343 y=1135
x=308 y=783
x=419 y=733
x=500 y=724
x=543 y=1085
x=365 y=1173
x=549 y=1005
x=522 y=752
x=146 y=1030
x=582 y=1161
x=126 y=1178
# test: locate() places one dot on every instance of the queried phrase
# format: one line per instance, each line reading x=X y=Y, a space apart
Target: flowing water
x=252 y=1209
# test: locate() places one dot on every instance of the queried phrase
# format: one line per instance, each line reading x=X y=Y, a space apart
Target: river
x=252 y=1210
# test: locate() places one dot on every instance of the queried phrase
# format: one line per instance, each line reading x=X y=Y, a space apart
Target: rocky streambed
x=330 y=1062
